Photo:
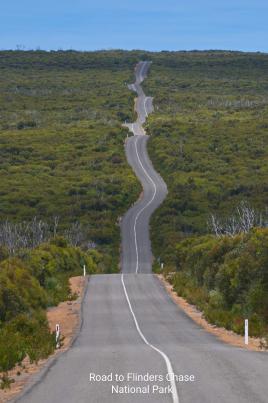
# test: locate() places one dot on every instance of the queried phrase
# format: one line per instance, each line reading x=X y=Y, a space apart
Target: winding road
x=136 y=246
x=131 y=325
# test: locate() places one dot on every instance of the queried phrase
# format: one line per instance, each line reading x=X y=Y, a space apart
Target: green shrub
x=227 y=278
x=29 y=284
x=208 y=140
x=19 y=290
x=23 y=336
x=62 y=144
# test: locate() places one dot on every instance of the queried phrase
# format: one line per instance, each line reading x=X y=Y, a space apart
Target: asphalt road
x=136 y=247
x=130 y=325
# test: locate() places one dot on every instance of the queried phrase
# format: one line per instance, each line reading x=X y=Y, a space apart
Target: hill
x=62 y=144
x=209 y=142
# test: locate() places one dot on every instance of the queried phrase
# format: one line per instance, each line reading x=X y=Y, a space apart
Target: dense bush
x=25 y=336
x=208 y=139
x=62 y=156
x=62 y=144
x=29 y=284
x=209 y=142
x=53 y=263
x=227 y=278
x=19 y=291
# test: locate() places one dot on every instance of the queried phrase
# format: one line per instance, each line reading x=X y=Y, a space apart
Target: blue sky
x=136 y=24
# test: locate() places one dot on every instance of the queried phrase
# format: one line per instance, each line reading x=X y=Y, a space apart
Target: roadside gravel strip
x=38 y=376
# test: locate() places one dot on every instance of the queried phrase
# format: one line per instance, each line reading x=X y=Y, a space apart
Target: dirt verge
x=225 y=335
x=67 y=314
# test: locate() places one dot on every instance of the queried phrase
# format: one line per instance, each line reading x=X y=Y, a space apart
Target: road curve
x=131 y=325
x=136 y=254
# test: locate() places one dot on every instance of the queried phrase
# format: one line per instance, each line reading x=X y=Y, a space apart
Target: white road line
x=146 y=114
x=141 y=71
x=147 y=205
x=144 y=64
x=175 y=396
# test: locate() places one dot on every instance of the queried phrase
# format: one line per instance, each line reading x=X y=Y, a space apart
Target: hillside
x=62 y=145
x=63 y=161
x=63 y=172
x=209 y=142
x=208 y=138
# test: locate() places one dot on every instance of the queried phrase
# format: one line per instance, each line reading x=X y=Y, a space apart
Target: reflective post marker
x=162 y=265
x=84 y=270
x=246 y=331
x=57 y=335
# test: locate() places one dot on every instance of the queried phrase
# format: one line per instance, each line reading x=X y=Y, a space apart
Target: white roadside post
x=57 y=335
x=84 y=270
x=162 y=265
x=246 y=331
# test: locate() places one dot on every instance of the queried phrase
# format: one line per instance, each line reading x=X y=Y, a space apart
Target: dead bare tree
x=243 y=220
x=56 y=224
x=15 y=236
x=75 y=234
x=30 y=234
x=215 y=225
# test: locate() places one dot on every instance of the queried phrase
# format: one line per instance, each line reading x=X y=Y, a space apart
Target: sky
x=138 y=24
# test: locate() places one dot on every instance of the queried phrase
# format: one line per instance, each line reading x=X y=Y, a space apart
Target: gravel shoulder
x=197 y=316
x=67 y=314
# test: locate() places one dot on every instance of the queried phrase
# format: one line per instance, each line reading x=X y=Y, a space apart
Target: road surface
x=136 y=247
x=130 y=324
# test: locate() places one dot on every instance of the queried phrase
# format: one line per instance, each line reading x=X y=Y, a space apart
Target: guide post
x=246 y=331
x=57 y=335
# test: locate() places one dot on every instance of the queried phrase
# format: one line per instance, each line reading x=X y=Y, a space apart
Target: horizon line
x=22 y=48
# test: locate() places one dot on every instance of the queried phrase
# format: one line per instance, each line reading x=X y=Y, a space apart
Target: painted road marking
x=147 y=205
x=146 y=114
x=175 y=396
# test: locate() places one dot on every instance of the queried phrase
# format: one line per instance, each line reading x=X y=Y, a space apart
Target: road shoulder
x=68 y=315
x=223 y=334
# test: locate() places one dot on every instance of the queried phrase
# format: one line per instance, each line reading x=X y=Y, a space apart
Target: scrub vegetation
x=29 y=283
x=227 y=278
x=64 y=184
x=62 y=144
x=65 y=181
x=209 y=142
